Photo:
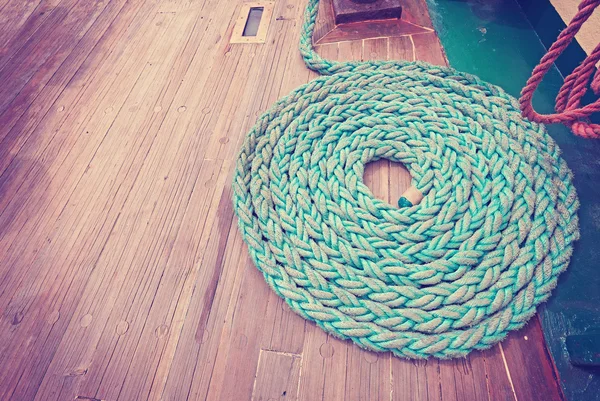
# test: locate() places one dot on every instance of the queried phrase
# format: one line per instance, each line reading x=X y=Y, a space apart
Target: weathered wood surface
x=122 y=272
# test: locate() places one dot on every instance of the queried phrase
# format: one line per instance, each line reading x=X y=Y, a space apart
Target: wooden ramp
x=122 y=273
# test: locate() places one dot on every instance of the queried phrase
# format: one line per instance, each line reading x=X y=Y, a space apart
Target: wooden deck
x=122 y=273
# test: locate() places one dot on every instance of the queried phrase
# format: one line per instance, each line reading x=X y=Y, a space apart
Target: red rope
x=568 y=110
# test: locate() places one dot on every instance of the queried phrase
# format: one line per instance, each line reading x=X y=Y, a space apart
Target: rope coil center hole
x=390 y=182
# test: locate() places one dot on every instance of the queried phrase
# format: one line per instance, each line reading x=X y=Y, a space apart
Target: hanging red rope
x=568 y=110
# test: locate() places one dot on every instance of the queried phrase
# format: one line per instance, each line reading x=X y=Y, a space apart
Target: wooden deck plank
x=25 y=195
x=368 y=375
x=47 y=49
x=195 y=335
x=258 y=332
x=79 y=342
x=277 y=377
x=240 y=364
x=351 y=51
x=401 y=48
x=265 y=91
x=531 y=379
x=417 y=13
x=37 y=163
x=498 y=379
x=428 y=48
x=157 y=28
x=36 y=99
x=147 y=282
x=177 y=155
x=325 y=20
x=324 y=366
x=471 y=379
x=406 y=380
x=316 y=351
x=20 y=290
x=19 y=21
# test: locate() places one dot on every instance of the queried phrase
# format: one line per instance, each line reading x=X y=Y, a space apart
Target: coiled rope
x=451 y=274
x=568 y=109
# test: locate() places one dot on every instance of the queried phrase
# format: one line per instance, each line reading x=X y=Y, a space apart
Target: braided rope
x=451 y=274
x=568 y=110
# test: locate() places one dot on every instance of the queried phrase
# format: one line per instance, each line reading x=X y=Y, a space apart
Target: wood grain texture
x=122 y=272
x=276 y=377
x=414 y=20
x=371 y=30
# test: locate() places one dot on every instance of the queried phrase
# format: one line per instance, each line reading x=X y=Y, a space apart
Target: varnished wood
x=414 y=20
x=122 y=272
x=371 y=29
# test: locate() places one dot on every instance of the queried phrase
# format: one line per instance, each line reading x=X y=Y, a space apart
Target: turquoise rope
x=454 y=273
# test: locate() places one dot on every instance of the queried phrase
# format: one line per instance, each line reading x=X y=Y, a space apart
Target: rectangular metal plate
x=261 y=34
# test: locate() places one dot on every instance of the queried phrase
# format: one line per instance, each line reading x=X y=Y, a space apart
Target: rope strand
x=568 y=110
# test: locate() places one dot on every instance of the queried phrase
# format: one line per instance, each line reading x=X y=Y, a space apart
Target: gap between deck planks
x=122 y=272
